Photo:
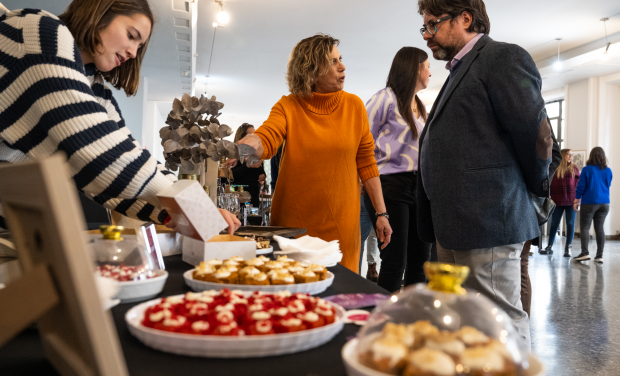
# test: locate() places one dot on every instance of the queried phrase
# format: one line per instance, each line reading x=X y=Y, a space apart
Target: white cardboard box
x=219 y=247
x=192 y=209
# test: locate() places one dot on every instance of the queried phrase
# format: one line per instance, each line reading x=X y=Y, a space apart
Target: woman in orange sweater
x=328 y=149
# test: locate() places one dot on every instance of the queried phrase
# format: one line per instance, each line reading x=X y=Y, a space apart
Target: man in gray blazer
x=486 y=143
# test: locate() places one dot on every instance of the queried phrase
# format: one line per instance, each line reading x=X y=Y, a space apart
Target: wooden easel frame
x=57 y=289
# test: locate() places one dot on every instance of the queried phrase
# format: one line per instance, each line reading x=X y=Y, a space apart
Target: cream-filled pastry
x=427 y=362
x=472 y=337
x=387 y=355
x=446 y=342
x=483 y=361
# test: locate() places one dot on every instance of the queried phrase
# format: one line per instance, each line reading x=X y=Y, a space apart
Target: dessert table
x=24 y=354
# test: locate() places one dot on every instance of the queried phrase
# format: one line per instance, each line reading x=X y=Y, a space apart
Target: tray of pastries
x=235 y=324
x=259 y=274
x=439 y=329
x=421 y=349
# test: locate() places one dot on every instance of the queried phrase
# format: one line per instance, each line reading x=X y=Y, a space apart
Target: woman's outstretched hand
x=253 y=141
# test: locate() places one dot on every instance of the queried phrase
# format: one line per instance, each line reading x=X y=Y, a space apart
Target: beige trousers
x=495 y=273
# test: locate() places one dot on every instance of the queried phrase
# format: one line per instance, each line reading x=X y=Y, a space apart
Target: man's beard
x=445 y=53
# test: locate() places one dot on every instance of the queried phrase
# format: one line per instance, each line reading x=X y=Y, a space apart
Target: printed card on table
x=195 y=214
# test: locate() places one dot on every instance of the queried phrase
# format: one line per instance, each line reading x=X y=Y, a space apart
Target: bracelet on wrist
x=386 y=215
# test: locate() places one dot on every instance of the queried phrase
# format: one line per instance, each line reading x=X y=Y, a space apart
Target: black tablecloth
x=24 y=354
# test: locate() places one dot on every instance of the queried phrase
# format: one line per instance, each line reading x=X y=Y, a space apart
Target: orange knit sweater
x=329 y=147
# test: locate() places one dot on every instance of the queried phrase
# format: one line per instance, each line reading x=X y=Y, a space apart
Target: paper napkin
x=310 y=250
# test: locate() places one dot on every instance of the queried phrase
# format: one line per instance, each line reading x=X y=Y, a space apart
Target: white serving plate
x=230 y=347
x=110 y=303
x=355 y=368
x=135 y=291
x=311 y=288
x=264 y=251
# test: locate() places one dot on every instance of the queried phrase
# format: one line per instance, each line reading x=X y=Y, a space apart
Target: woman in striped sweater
x=53 y=98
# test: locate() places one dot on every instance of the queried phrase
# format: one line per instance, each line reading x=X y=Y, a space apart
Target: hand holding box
x=195 y=214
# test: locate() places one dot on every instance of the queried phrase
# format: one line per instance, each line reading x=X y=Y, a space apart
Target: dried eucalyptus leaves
x=194 y=134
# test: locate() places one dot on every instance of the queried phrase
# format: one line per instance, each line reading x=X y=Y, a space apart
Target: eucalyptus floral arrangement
x=194 y=133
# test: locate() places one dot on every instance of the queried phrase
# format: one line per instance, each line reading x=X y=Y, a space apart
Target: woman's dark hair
x=86 y=18
x=597 y=158
x=242 y=131
x=402 y=80
x=480 y=20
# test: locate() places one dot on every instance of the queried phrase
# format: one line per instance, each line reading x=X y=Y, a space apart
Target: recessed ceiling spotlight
x=222 y=15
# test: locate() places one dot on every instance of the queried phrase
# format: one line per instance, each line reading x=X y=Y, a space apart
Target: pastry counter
x=24 y=354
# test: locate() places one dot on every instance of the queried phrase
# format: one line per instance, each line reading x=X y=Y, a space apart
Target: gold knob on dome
x=446 y=277
x=112 y=232
x=189 y=177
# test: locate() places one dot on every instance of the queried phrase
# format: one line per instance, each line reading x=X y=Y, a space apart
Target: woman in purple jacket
x=397 y=116
x=593 y=195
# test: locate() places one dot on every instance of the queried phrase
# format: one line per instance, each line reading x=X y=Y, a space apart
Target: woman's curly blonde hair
x=310 y=59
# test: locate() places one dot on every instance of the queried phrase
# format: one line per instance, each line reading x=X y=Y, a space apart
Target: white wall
x=151 y=125
x=609 y=139
x=575 y=126
x=593 y=119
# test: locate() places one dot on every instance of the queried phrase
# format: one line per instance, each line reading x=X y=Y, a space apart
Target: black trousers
x=406 y=252
x=598 y=213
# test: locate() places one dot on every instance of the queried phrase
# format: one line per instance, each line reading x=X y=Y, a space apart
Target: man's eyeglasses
x=432 y=26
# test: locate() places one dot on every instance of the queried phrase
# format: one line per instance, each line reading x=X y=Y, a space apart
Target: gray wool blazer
x=489 y=143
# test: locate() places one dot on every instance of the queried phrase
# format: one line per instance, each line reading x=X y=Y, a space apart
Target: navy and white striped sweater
x=50 y=101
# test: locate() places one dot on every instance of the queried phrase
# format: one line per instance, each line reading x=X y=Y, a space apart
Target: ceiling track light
x=558 y=64
x=605 y=55
x=222 y=19
x=215 y=26
x=222 y=15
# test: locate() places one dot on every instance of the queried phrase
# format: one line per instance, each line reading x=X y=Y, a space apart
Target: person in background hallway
x=372 y=256
x=487 y=144
x=434 y=252
x=370 y=239
x=526 y=284
x=396 y=116
x=253 y=176
x=329 y=149
x=275 y=167
x=563 y=190
x=593 y=194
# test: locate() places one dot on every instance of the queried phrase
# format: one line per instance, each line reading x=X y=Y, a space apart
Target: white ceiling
x=251 y=52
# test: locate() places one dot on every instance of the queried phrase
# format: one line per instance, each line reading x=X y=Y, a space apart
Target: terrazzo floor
x=575 y=323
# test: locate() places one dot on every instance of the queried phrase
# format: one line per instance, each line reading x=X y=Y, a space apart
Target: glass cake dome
x=119 y=258
x=441 y=329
